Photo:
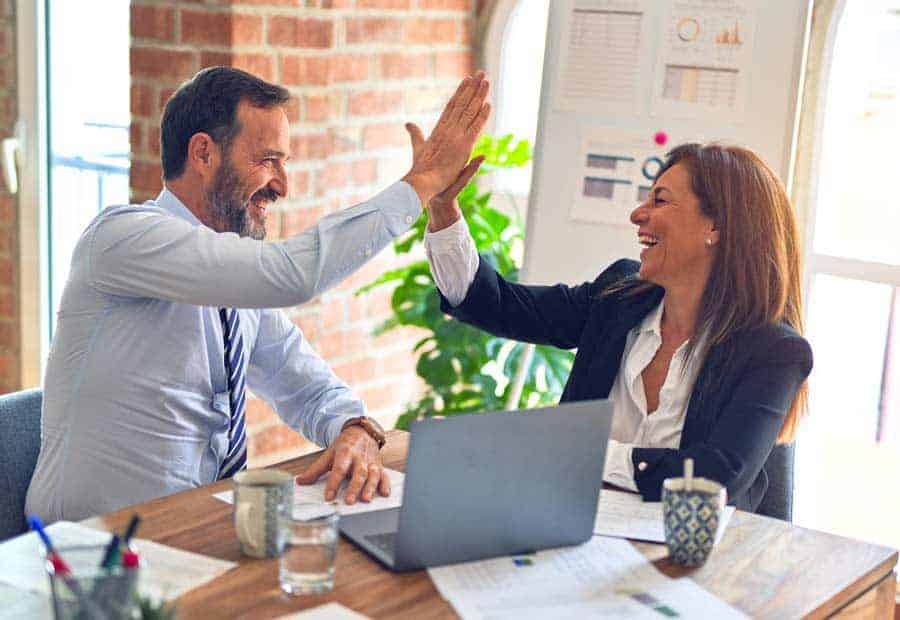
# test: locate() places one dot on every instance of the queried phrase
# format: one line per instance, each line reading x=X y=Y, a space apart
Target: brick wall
x=9 y=232
x=358 y=69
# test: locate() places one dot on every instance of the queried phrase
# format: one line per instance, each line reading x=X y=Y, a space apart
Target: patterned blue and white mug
x=692 y=509
x=262 y=497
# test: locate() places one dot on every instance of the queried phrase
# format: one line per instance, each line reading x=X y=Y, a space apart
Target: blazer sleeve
x=554 y=315
x=744 y=434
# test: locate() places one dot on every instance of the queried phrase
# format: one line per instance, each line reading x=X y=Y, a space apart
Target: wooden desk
x=767 y=568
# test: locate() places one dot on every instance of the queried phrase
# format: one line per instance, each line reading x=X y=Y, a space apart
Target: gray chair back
x=20 y=443
x=778 y=502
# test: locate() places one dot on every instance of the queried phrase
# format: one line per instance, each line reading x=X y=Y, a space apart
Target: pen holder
x=89 y=592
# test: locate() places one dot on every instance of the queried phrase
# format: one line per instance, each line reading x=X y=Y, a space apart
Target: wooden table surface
x=765 y=567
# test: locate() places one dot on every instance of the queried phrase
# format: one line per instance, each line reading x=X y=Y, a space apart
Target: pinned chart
x=611 y=30
x=616 y=168
x=705 y=59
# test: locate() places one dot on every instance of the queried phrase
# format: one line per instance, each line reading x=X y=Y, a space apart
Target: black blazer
x=741 y=395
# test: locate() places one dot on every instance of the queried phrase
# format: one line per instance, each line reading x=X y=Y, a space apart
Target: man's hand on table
x=354 y=454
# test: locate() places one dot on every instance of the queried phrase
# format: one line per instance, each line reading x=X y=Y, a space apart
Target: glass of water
x=310 y=536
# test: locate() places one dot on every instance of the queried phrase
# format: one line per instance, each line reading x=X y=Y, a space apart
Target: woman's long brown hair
x=755 y=276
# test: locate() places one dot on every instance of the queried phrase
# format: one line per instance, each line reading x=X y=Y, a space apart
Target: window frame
x=826 y=18
x=34 y=305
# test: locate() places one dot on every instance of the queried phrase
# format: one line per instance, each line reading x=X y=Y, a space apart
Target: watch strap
x=371 y=427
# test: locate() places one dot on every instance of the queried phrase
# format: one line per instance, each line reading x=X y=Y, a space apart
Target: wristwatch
x=371 y=426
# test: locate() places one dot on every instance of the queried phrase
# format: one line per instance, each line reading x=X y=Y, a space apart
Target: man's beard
x=230 y=210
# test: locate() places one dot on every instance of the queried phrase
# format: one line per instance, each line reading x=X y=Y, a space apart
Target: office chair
x=20 y=443
x=778 y=502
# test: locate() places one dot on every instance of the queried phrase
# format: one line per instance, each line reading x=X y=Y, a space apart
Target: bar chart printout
x=706 y=56
x=615 y=169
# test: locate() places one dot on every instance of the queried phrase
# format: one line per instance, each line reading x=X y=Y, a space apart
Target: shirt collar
x=171 y=203
x=653 y=321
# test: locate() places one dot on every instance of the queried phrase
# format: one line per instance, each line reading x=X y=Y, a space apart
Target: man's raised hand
x=439 y=160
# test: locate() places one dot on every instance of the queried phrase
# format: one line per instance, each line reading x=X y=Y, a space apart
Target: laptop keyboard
x=385 y=541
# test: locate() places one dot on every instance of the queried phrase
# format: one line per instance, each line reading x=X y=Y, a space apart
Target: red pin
x=660 y=137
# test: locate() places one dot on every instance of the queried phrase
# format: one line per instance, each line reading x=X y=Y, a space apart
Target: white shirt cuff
x=619 y=468
x=454 y=260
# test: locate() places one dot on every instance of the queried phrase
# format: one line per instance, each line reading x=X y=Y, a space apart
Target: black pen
x=129 y=531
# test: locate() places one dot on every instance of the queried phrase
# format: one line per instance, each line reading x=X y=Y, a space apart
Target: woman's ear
x=712 y=237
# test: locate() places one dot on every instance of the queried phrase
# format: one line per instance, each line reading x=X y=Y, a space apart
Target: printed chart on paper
x=615 y=169
x=706 y=57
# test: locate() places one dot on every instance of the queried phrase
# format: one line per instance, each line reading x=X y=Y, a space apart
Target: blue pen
x=35 y=523
x=63 y=570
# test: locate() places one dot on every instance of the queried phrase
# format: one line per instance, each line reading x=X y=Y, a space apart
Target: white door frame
x=32 y=198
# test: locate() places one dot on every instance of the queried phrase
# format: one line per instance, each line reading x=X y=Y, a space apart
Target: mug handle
x=244 y=516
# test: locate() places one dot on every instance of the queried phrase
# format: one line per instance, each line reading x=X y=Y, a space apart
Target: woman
x=699 y=345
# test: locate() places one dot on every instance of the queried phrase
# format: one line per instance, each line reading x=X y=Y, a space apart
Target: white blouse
x=454 y=262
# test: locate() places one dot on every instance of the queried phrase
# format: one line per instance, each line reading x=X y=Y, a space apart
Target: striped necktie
x=235 y=369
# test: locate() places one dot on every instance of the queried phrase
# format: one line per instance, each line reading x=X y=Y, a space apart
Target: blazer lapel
x=610 y=335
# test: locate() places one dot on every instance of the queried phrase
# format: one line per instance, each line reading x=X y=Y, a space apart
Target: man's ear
x=202 y=154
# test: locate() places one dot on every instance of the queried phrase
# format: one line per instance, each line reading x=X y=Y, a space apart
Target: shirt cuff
x=454 y=260
x=400 y=205
x=619 y=469
x=336 y=425
x=448 y=238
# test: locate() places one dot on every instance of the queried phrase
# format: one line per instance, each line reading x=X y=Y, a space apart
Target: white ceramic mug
x=261 y=498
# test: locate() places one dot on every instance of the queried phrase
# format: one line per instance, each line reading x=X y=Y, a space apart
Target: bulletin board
x=627 y=80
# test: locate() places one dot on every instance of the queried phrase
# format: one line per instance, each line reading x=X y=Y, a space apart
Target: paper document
x=166 y=573
x=605 y=577
x=16 y=604
x=626 y=515
x=614 y=170
x=705 y=59
x=315 y=494
x=600 y=57
x=329 y=611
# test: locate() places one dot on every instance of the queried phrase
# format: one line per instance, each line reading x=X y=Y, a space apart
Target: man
x=166 y=318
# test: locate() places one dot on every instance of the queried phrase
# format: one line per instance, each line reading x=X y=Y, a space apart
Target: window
x=74 y=114
x=515 y=48
x=89 y=116
x=848 y=459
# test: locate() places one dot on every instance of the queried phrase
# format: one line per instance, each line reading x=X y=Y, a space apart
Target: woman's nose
x=639 y=215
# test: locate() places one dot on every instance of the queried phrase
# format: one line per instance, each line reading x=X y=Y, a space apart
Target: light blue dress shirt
x=135 y=395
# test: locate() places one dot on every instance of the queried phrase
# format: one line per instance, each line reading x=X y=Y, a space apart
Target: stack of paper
x=603 y=578
x=626 y=515
x=166 y=573
x=15 y=604
x=307 y=497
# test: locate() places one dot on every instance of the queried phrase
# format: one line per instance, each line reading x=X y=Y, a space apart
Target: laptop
x=494 y=484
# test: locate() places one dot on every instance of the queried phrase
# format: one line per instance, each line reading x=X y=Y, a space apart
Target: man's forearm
x=150 y=254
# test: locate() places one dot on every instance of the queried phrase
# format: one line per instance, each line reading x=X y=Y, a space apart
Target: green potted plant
x=465 y=369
